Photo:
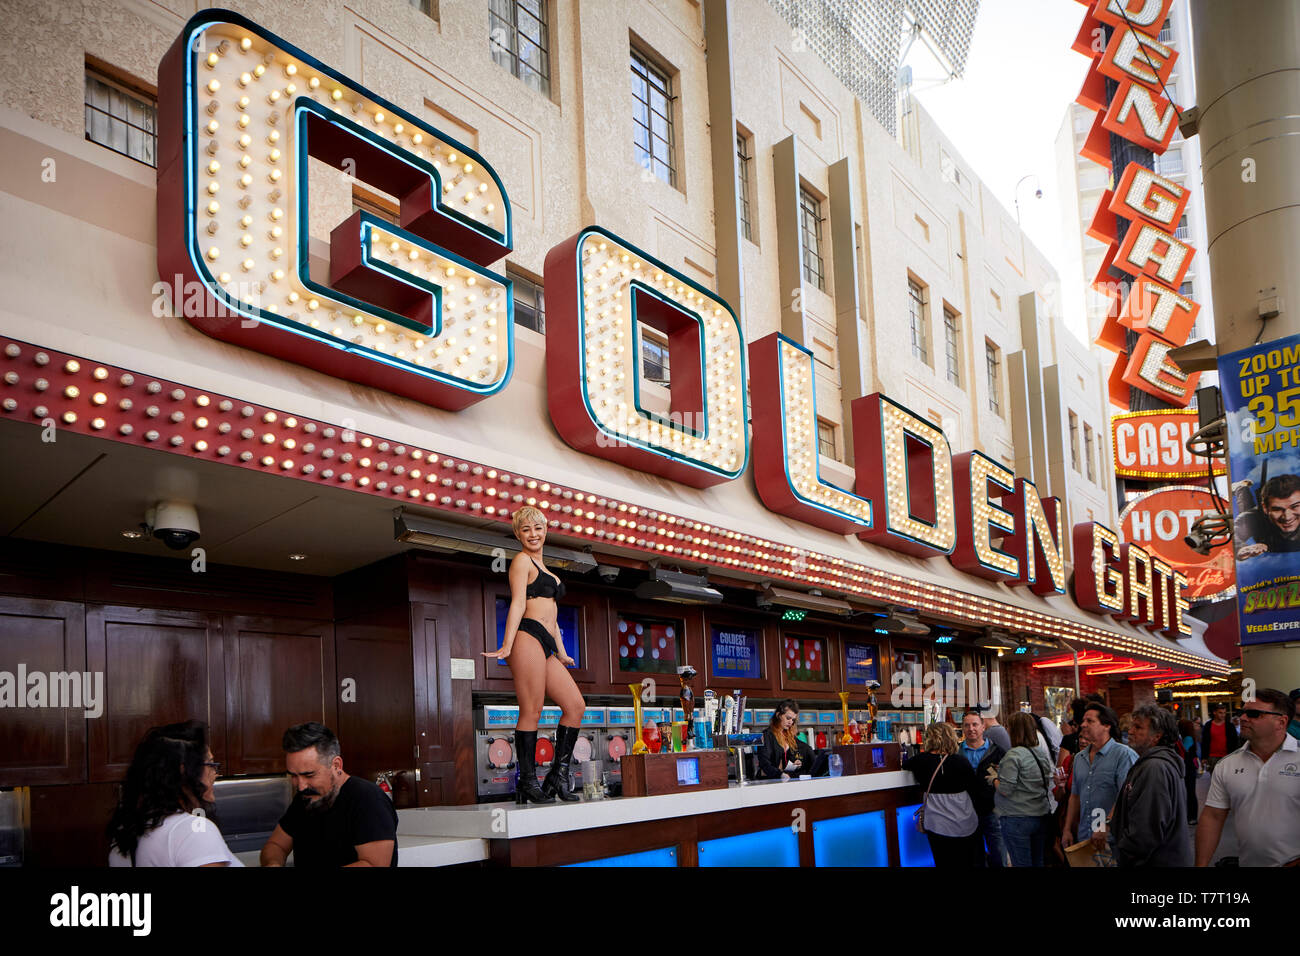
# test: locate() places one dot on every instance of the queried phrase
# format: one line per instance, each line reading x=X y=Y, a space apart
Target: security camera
x=1038 y=194
x=174 y=523
x=608 y=573
x=1198 y=541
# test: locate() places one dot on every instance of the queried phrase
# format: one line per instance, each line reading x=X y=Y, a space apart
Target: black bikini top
x=545 y=585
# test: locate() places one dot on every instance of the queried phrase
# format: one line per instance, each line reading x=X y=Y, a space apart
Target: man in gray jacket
x=1149 y=827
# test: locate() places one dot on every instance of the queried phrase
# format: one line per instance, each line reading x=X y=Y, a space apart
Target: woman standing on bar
x=538 y=663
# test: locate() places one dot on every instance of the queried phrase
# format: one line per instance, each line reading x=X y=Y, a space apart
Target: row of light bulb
x=272 y=240
x=896 y=585
x=608 y=271
x=897 y=424
x=986 y=516
x=799 y=418
x=471 y=190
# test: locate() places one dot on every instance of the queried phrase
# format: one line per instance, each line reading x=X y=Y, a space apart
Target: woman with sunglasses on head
x=537 y=661
x=163 y=816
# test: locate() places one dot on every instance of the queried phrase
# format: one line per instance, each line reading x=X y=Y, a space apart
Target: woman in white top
x=162 y=816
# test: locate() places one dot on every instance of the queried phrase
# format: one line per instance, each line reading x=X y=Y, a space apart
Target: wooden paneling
x=69 y=824
x=377 y=728
x=832 y=653
x=159 y=667
x=45 y=744
x=170 y=582
x=278 y=672
x=653 y=774
x=33 y=569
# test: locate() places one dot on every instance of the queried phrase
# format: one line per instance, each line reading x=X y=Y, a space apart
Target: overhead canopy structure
x=861 y=41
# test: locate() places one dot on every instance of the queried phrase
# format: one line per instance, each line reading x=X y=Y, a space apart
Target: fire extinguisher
x=384 y=780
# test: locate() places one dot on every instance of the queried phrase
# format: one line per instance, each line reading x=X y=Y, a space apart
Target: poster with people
x=1261 y=398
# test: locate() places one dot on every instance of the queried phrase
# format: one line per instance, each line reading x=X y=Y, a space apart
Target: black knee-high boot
x=526 y=789
x=556 y=783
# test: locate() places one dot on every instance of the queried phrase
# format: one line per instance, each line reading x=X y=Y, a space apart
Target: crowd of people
x=1024 y=794
x=1111 y=789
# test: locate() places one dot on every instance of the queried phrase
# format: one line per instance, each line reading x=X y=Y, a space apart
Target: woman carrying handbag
x=1023 y=799
x=947 y=815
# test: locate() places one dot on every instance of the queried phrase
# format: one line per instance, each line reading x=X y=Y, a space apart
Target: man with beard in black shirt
x=335 y=819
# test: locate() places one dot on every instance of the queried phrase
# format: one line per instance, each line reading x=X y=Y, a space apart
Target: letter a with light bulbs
x=414 y=309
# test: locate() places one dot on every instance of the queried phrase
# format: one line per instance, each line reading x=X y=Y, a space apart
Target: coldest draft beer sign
x=1261 y=396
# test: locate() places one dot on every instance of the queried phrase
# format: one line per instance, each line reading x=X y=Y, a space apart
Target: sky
x=1005 y=111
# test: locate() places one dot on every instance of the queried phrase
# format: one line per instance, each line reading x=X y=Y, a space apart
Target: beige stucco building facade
x=897 y=216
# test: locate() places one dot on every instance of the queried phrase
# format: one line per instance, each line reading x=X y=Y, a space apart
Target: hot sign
x=1159 y=520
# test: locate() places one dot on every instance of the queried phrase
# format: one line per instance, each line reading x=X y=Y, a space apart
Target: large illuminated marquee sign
x=787 y=472
x=1126 y=582
x=1135 y=59
x=905 y=465
x=600 y=292
x=409 y=309
x=414 y=309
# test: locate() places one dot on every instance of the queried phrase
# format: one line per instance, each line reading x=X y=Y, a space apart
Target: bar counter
x=862 y=820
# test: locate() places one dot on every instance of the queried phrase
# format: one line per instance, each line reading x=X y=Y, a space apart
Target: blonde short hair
x=526 y=515
x=940 y=737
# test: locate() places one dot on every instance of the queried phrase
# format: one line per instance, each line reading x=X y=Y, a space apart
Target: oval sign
x=1160 y=519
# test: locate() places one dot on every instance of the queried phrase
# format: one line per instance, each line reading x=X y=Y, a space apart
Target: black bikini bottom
x=544 y=637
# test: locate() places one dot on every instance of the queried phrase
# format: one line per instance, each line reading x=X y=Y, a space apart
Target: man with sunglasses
x=1261 y=783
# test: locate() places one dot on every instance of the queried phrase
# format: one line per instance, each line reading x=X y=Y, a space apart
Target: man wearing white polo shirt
x=1260 y=782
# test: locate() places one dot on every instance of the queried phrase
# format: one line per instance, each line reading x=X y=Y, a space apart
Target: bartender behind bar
x=783 y=755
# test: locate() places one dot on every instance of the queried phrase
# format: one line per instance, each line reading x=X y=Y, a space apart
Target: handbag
x=1051 y=826
x=918 y=817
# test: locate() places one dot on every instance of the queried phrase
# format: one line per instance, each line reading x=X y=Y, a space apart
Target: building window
x=1185 y=290
x=992 y=361
x=120 y=118
x=652 y=93
x=917 y=317
x=1182 y=231
x=654 y=358
x=1170 y=162
x=810 y=228
x=519 y=42
x=1166 y=33
x=744 y=174
x=427 y=7
x=825 y=438
x=952 y=345
x=1074 y=441
x=1088 y=452
x=530 y=302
